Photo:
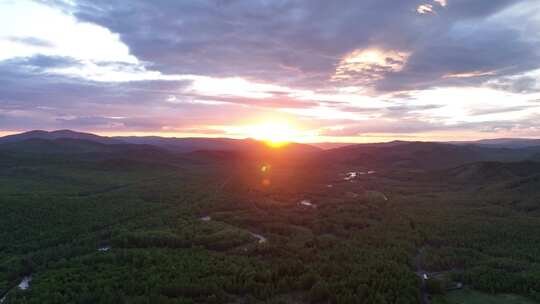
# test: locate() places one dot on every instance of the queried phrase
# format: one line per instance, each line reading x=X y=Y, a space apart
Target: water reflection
x=25 y=283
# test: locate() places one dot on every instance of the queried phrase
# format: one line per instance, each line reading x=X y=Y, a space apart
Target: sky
x=301 y=70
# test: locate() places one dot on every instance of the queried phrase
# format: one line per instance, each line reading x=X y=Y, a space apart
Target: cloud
x=369 y=65
x=32 y=41
x=43 y=30
x=388 y=126
x=193 y=64
x=425 y=9
x=33 y=98
x=469 y=74
x=428 y=8
x=280 y=42
x=489 y=111
x=529 y=126
x=518 y=84
x=468 y=55
x=442 y=3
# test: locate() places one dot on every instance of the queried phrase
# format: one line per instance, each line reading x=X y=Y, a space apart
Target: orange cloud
x=370 y=64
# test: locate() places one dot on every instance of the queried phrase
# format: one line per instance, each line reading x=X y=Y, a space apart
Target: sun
x=274 y=134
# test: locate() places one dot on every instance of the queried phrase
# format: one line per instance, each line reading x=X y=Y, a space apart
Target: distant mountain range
x=172 y=144
x=395 y=154
x=511 y=143
x=202 y=143
x=59 y=134
x=426 y=155
x=187 y=145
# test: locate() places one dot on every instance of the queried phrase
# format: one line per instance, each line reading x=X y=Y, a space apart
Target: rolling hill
x=59 y=134
x=171 y=144
x=423 y=155
x=489 y=172
x=394 y=155
x=512 y=143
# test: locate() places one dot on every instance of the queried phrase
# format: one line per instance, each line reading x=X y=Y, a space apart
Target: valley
x=265 y=225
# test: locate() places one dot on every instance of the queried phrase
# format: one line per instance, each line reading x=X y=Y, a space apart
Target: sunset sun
x=291 y=151
x=275 y=134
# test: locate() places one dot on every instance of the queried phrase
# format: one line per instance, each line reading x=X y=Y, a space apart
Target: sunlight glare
x=273 y=134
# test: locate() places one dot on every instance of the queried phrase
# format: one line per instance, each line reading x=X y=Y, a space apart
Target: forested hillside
x=136 y=224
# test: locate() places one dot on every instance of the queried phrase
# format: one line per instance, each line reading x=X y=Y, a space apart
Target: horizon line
x=116 y=134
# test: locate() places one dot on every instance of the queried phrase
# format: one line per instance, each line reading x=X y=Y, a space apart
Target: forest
x=110 y=227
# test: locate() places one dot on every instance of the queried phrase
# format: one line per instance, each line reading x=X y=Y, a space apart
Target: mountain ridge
x=172 y=144
x=58 y=134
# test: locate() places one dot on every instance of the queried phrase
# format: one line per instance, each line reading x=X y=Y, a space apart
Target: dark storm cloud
x=300 y=42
